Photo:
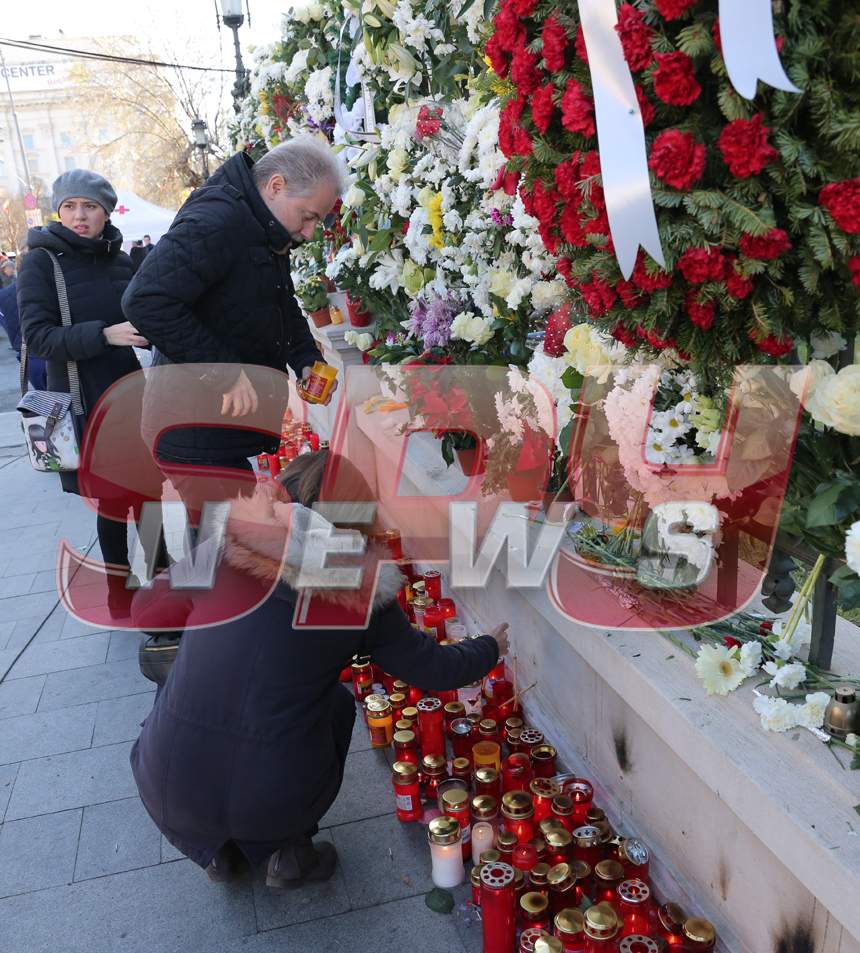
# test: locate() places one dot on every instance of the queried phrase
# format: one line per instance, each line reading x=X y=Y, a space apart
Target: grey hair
x=304 y=162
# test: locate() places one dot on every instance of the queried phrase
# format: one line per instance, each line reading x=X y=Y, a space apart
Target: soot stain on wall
x=622 y=752
x=796 y=938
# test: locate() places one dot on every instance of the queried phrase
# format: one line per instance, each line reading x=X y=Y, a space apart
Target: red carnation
x=677 y=159
x=564 y=267
x=854 y=269
x=528 y=200
x=510 y=34
x=507 y=181
x=598 y=296
x=673 y=9
x=429 y=122
x=588 y=170
x=543 y=108
x=571 y=228
x=736 y=285
x=554 y=44
x=522 y=142
x=630 y=296
x=699 y=265
x=646 y=107
x=522 y=8
x=650 y=281
x=744 y=145
x=842 y=200
x=545 y=201
x=549 y=238
x=525 y=74
x=579 y=45
x=675 y=80
x=508 y=122
x=557 y=326
x=731 y=643
x=700 y=313
x=765 y=247
x=627 y=338
x=577 y=110
x=772 y=345
x=567 y=177
x=635 y=37
x=499 y=58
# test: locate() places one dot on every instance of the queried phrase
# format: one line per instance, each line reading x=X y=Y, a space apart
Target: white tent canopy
x=135 y=217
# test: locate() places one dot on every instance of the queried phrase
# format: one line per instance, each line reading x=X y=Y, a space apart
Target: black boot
x=301 y=863
x=226 y=865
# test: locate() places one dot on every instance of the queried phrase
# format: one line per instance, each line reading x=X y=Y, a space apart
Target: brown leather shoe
x=292 y=866
x=225 y=866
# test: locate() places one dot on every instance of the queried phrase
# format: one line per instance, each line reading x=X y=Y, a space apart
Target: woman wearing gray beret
x=100 y=341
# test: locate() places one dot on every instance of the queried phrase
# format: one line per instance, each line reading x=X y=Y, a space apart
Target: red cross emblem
x=121 y=210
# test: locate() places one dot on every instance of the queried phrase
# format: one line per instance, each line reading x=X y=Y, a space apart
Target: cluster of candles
x=296 y=438
x=541 y=850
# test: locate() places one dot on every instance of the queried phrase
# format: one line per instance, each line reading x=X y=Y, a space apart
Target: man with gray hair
x=216 y=289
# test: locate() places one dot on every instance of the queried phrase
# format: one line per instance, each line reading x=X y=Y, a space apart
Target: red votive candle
x=669 y=925
x=569 y=928
x=462 y=736
x=542 y=790
x=601 y=929
x=405 y=746
x=433 y=584
x=562 y=888
x=558 y=846
x=518 y=813
x=586 y=844
x=516 y=772
x=414 y=695
x=635 y=858
x=581 y=793
x=530 y=936
x=448 y=607
x=431 y=726
x=503 y=692
x=525 y=857
x=488 y=781
x=562 y=811
x=635 y=906
x=362 y=680
x=452 y=710
x=407 y=791
x=433 y=619
x=534 y=911
x=543 y=761
x=608 y=875
x=498 y=911
x=433 y=772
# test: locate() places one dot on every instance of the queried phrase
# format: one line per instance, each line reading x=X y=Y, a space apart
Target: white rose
x=804 y=382
x=826 y=343
x=354 y=197
x=852 y=547
x=835 y=402
x=396 y=162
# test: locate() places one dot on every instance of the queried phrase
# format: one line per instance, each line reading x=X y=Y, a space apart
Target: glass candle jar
x=398 y=703
x=543 y=761
x=635 y=907
x=406 y=746
x=446 y=852
x=512 y=723
x=530 y=738
x=543 y=790
x=434 y=621
x=512 y=739
x=503 y=698
x=524 y=857
x=451 y=711
x=581 y=793
x=505 y=844
x=608 y=874
x=537 y=878
x=470 y=696
x=404 y=724
x=462 y=737
x=486 y=754
x=449 y=784
x=487 y=781
x=461 y=768
x=475 y=879
x=433 y=770
x=449 y=609
x=529 y=937
x=488 y=730
x=486 y=808
x=400 y=686
x=639 y=943
x=390 y=538
x=516 y=772
x=539 y=845
x=407 y=791
x=410 y=713
x=433 y=584
x=586 y=844
x=561 y=887
x=455 y=631
x=699 y=935
x=669 y=925
x=518 y=813
x=362 y=680
x=483 y=836
x=583 y=876
x=635 y=858
x=419 y=605
x=570 y=929
x=414 y=695
x=498 y=910
x=558 y=846
x=455 y=803
x=548 y=944
x=563 y=811
x=601 y=928
x=534 y=911
x=431 y=731
x=380 y=722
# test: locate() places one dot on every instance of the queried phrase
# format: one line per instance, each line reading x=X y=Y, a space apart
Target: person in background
x=37 y=372
x=147 y=245
x=244 y=750
x=136 y=254
x=7 y=272
x=100 y=341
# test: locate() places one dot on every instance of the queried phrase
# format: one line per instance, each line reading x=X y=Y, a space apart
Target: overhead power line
x=108 y=57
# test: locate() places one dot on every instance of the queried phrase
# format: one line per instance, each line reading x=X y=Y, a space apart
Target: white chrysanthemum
x=387 y=271
x=719 y=669
x=750 y=657
x=547 y=295
x=787 y=645
x=467 y=326
x=297 y=66
x=785 y=675
x=852 y=547
x=776 y=713
x=811 y=715
x=319 y=94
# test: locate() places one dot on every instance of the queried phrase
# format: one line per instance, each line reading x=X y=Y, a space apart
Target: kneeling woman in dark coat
x=246 y=744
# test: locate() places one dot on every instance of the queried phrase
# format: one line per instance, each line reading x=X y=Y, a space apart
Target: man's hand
x=124 y=335
x=500 y=634
x=306 y=373
x=241 y=399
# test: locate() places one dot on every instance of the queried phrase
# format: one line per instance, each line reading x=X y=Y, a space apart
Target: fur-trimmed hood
x=260 y=525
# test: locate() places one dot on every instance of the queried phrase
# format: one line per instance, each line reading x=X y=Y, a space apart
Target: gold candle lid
x=550 y=824
x=533 y=903
x=475 y=876
x=601 y=923
x=398 y=698
x=608 y=870
x=400 y=686
x=455 y=709
x=419 y=603
x=634 y=851
x=539 y=873
x=404 y=771
x=544 y=787
x=672 y=917
x=562 y=804
x=506 y=841
x=486 y=775
x=513 y=735
x=586 y=836
x=513 y=722
x=560 y=839
x=378 y=706
x=548 y=944
x=361 y=663
x=579 y=869
x=460 y=764
x=700 y=930
x=410 y=712
x=443 y=830
x=484 y=805
x=455 y=798
x=404 y=737
x=489 y=856
x=374 y=697
x=487 y=726
x=595 y=814
x=559 y=875
x=433 y=763
x=404 y=724
x=570 y=920
x=517 y=805
x=544 y=753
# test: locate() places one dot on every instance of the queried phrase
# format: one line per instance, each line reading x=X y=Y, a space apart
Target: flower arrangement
x=758 y=207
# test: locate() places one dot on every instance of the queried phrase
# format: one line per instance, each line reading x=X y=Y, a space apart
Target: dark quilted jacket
x=214 y=291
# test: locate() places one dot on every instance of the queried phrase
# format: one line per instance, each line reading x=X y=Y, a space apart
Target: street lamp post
x=201 y=141
x=233 y=18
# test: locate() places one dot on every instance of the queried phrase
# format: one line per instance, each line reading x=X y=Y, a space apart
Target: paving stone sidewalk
x=82 y=867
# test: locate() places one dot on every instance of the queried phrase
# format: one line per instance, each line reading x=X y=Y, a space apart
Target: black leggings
x=113 y=540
